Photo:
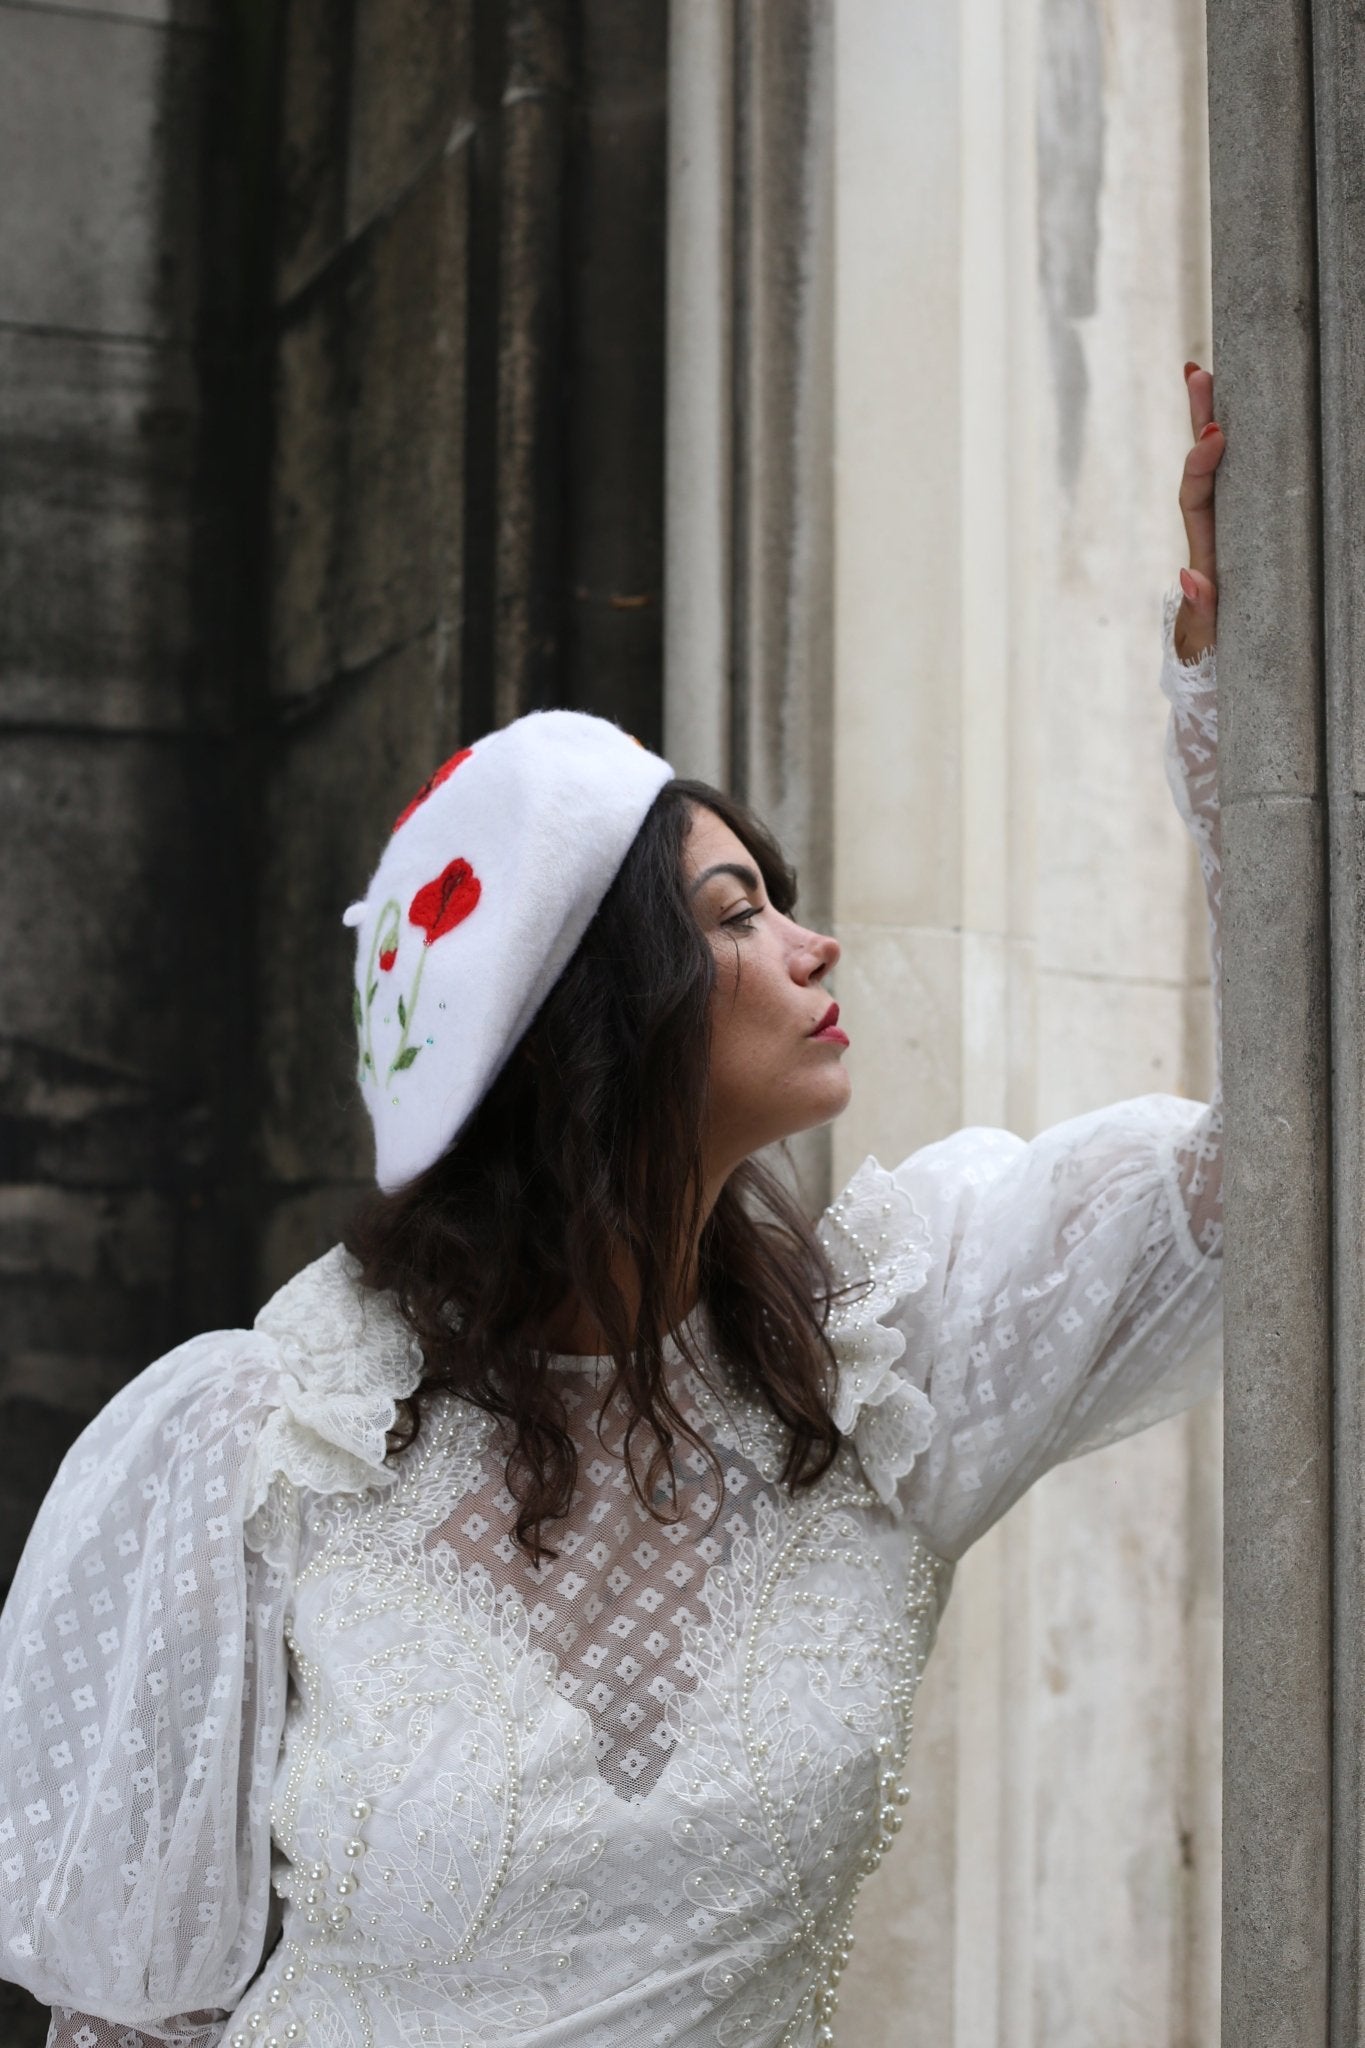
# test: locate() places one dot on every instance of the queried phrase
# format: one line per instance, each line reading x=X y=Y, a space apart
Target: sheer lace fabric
x=268 y=1695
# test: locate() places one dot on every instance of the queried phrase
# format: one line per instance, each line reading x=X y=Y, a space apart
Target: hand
x=1197 y=619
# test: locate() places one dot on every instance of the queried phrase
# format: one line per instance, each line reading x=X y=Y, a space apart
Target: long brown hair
x=589 y=1141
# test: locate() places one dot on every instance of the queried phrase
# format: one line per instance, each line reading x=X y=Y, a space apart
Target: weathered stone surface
x=105 y=903
x=1339 y=137
x=1265 y=309
x=367 y=505
x=405 y=321
x=308 y=504
x=299 y=1227
x=614 y=530
x=97 y=120
x=96 y=532
x=83 y=1274
x=339 y=780
x=412 y=95
x=310 y=184
x=1278 y=1820
x=1278 y=1431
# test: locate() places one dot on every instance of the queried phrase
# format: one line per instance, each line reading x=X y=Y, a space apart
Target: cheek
x=749 y=1017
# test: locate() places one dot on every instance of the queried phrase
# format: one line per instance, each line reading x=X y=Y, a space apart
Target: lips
x=828 y=1027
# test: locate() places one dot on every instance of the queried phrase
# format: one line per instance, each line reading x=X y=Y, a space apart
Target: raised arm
x=1189 y=680
x=1066 y=1290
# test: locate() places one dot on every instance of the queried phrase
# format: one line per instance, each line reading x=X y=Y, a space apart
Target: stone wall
x=331 y=432
x=121 y=925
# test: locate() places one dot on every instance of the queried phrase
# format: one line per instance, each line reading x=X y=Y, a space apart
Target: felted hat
x=491 y=877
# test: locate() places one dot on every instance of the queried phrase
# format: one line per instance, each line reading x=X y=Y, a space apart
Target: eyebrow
x=748 y=876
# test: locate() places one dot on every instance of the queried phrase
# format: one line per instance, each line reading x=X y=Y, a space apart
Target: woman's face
x=776 y=1050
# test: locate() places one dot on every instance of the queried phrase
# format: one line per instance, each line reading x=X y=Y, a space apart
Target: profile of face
x=776 y=1050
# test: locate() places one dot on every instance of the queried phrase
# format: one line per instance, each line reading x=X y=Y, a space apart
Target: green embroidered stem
x=406 y=1053
x=383 y=926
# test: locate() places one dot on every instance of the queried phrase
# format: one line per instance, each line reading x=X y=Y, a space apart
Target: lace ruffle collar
x=347 y=1358
x=879 y=1246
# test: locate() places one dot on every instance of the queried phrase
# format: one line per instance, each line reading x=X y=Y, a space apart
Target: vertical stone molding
x=1021 y=269
x=748 y=643
x=1288 y=1148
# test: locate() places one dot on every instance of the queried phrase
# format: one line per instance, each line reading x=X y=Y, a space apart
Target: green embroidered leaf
x=374 y=985
x=356 y=1011
x=406 y=1058
x=366 y=1061
x=402 y=1013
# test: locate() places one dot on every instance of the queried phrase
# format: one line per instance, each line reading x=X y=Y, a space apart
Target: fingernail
x=1212 y=428
x=1190 y=368
x=1187 y=584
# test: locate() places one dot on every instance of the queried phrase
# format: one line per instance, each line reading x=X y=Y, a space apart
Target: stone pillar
x=1289 y=288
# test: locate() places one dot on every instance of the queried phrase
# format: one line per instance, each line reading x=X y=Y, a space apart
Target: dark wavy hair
x=590 y=1140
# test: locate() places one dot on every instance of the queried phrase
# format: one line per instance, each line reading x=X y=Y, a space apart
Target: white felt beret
x=493 y=874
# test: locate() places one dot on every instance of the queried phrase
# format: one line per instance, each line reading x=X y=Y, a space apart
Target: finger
x=1199 y=388
x=1201 y=594
x=1197 y=499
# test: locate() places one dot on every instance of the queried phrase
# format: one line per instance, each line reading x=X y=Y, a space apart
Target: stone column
x=1286 y=82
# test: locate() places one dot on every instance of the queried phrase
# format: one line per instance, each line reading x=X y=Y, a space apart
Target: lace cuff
x=1191 y=689
x=879 y=1246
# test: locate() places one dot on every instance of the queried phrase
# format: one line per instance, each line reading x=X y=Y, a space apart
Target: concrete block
x=96 y=533
x=412 y=95
x=340 y=779
x=98 y=119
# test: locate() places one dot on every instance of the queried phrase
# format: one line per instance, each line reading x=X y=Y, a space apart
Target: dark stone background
x=331 y=433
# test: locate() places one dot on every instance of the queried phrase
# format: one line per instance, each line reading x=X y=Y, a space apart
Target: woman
x=542 y=1585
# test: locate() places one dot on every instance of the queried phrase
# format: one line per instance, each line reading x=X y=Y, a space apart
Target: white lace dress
x=268 y=1696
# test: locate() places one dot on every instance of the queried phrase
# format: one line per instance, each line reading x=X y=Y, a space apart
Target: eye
x=743 y=918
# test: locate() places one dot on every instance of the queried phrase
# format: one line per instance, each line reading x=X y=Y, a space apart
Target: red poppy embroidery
x=387 y=959
x=440 y=905
x=446 y=769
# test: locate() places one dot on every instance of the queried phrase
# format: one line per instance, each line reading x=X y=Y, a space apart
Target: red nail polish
x=1190 y=368
x=1212 y=428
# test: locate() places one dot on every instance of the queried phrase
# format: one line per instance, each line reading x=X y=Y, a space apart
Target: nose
x=818 y=954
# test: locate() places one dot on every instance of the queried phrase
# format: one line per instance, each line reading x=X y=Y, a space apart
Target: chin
x=831 y=1103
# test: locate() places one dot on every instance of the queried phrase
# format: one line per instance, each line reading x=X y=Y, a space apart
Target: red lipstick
x=828 y=1027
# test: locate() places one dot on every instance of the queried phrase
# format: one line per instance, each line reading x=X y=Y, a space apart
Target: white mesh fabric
x=614 y=1602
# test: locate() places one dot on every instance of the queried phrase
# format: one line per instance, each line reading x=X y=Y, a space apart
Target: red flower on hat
x=446 y=769
x=440 y=905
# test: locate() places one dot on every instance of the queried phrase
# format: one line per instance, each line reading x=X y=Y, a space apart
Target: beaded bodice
x=465 y=1837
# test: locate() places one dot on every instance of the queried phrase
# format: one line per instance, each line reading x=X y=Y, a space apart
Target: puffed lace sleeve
x=1011 y=1304
x=143 y=1665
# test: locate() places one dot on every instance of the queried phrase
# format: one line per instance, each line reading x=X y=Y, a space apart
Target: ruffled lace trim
x=347 y=1358
x=880 y=1249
